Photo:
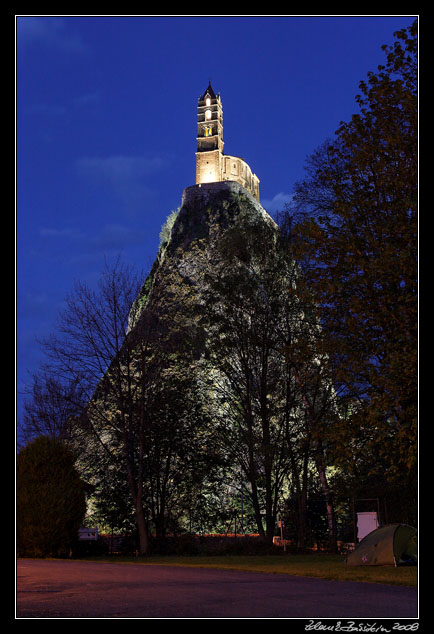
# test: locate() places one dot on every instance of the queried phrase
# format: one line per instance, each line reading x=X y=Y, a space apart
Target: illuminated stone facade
x=212 y=165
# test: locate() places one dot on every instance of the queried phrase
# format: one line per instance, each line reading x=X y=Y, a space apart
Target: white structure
x=87 y=533
x=366 y=523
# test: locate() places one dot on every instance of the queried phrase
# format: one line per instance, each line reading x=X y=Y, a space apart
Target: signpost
x=87 y=534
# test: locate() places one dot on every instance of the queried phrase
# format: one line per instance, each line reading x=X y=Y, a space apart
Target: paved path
x=71 y=589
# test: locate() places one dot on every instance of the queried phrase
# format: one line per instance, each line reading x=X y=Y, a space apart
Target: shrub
x=166 y=229
x=51 y=501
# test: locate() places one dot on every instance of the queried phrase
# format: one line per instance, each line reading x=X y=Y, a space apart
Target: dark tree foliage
x=111 y=508
x=51 y=500
x=51 y=407
x=354 y=226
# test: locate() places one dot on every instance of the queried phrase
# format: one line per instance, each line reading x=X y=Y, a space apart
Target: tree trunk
x=136 y=489
x=257 y=510
x=302 y=506
x=142 y=528
x=329 y=502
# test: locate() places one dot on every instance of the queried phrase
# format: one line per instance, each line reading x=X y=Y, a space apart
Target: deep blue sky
x=106 y=130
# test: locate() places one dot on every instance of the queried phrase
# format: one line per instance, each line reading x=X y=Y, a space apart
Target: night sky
x=106 y=131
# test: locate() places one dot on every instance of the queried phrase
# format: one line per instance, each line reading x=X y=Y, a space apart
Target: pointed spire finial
x=210 y=91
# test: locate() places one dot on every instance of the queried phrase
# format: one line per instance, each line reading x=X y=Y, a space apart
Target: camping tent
x=392 y=544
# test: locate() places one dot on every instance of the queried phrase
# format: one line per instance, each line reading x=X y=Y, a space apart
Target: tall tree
x=178 y=438
x=267 y=370
x=144 y=418
x=95 y=348
x=354 y=223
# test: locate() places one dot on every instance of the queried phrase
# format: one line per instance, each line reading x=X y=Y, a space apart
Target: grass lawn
x=315 y=565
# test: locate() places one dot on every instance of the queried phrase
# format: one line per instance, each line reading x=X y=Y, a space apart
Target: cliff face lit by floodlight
x=177 y=280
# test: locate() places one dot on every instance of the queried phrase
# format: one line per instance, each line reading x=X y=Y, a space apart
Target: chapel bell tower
x=209 y=137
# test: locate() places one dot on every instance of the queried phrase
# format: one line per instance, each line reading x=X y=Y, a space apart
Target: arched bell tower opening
x=212 y=166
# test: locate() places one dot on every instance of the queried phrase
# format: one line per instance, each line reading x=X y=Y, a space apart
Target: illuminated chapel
x=212 y=165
